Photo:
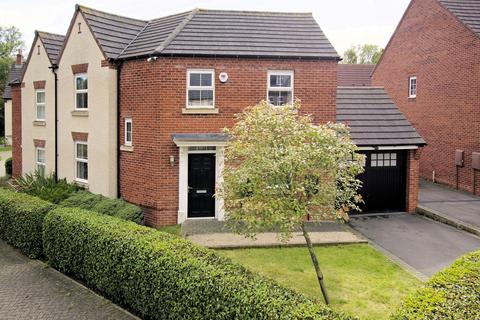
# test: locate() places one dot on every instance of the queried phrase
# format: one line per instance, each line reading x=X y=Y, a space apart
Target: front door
x=201 y=185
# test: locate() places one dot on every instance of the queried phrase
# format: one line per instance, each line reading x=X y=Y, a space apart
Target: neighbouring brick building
x=142 y=105
x=431 y=69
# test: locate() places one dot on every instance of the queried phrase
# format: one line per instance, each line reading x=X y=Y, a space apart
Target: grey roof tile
x=355 y=74
x=13 y=76
x=373 y=118
x=53 y=44
x=233 y=33
x=467 y=11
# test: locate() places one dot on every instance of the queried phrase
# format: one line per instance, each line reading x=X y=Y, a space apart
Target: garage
x=388 y=141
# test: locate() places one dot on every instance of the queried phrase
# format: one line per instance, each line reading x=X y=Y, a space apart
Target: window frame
x=126 y=142
x=212 y=87
x=44 y=104
x=78 y=75
x=38 y=163
x=77 y=159
x=410 y=79
x=290 y=73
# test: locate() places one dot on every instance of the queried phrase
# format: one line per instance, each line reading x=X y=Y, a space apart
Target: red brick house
x=181 y=79
x=431 y=69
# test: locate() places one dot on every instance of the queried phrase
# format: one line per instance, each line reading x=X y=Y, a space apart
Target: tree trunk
x=315 y=264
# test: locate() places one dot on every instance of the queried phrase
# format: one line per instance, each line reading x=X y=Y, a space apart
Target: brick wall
x=444 y=55
x=17 y=130
x=153 y=95
x=413 y=167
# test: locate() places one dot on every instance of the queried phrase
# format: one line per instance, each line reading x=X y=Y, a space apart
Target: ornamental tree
x=281 y=170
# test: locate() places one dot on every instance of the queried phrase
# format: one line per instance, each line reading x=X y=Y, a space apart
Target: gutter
x=54 y=68
x=119 y=69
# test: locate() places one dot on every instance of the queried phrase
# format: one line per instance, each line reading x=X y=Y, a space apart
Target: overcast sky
x=345 y=22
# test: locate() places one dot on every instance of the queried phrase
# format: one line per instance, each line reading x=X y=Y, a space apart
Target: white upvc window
x=412 y=87
x=40 y=105
x=40 y=160
x=81 y=161
x=128 y=131
x=383 y=160
x=280 y=87
x=200 y=88
x=81 y=92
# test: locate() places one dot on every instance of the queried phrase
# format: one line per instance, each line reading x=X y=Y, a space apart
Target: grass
x=360 y=279
x=5 y=148
x=175 y=229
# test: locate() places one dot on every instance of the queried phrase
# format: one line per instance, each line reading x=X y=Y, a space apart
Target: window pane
x=373 y=163
x=380 y=163
x=393 y=156
x=393 y=163
x=82 y=100
x=193 y=97
x=277 y=80
x=41 y=97
x=82 y=151
x=82 y=83
x=194 y=79
x=387 y=156
x=82 y=170
x=206 y=97
x=374 y=156
x=41 y=111
x=41 y=169
x=41 y=155
x=206 y=79
x=128 y=136
x=278 y=98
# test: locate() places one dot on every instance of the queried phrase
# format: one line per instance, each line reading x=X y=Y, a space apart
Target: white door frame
x=183 y=175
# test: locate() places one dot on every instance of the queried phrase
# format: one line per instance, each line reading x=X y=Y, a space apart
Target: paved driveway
x=425 y=245
x=29 y=290
x=457 y=205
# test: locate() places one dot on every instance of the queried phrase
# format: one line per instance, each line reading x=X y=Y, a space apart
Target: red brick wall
x=444 y=55
x=413 y=166
x=17 y=130
x=153 y=95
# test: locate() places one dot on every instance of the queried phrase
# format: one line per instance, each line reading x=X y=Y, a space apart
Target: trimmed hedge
x=9 y=166
x=453 y=293
x=98 y=203
x=161 y=276
x=21 y=219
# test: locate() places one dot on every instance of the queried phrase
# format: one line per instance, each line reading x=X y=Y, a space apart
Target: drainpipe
x=54 y=70
x=119 y=69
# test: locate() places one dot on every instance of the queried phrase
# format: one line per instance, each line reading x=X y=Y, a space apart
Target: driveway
x=425 y=245
x=31 y=290
x=458 y=206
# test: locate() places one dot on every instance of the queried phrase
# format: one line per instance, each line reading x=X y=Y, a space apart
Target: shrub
x=21 y=218
x=98 y=203
x=453 y=293
x=161 y=276
x=9 y=166
x=45 y=187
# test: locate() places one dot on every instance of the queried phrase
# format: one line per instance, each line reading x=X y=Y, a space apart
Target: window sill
x=80 y=113
x=81 y=184
x=126 y=148
x=40 y=123
x=200 y=111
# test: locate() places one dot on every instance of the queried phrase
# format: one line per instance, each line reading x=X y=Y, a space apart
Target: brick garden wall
x=433 y=45
x=154 y=93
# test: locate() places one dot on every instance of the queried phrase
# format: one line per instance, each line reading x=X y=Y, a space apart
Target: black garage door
x=384 y=181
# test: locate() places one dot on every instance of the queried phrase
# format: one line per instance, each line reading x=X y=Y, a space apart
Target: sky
x=345 y=22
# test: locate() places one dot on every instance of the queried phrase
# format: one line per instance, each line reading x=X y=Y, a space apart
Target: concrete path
x=451 y=206
x=425 y=245
x=31 y=290
x=213 y=234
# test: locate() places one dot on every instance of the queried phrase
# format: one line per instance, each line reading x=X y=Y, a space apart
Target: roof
x=373 y=118
x=52 y=43
x=354 y=74
x=200 y=137
x=233 y=33
x=112 y=32
x=13 y=76
x=467 y=11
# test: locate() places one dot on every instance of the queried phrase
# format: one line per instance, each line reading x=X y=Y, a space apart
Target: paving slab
x=214 y=234
x=449 y=204
x=426 y=245
x=31 y=290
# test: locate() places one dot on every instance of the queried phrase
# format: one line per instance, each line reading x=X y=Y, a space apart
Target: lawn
x=5 y=148
x=360 y=279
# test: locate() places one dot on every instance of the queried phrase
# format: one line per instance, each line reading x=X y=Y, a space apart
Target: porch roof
x=184 y=139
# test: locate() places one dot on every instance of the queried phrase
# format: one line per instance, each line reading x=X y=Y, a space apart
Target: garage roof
x=13 y=76
x=355 y=74
x=373 y=118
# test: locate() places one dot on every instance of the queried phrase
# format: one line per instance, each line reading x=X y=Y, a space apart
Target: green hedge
x=9 y=166
x=21 y=218
x=98 y=203
x=161 y=276
x=453 y=293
